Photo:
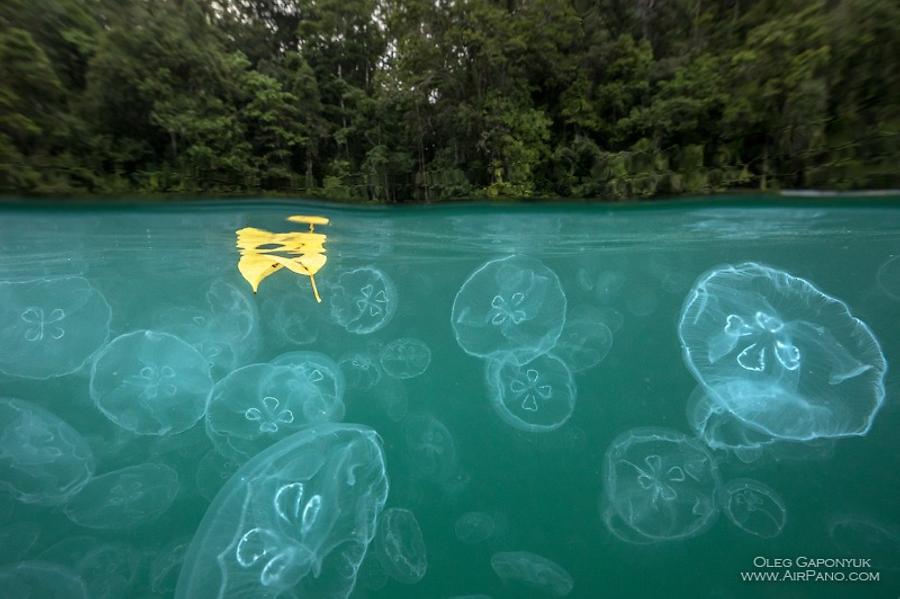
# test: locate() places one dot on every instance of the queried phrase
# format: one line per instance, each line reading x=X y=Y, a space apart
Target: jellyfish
x=165 y=566
x=41 y=579
x=43 y=460
x=536 y=397
x=430 y=448
x=532 y=571
x=124 y=498
x=660 y=484
x=405 y=358
x=862 y=536
x=512 y=306
x=257 y=405
x=289 y=312
x=781 y=355
x=754 y=507
x=321 y=372
x=474 y=527
x=888 y=277
x=400 y=547
x=50 y=327
x=296 y=520
x=363 y=300
x=361 y=370
x=109 y=570
x=151 y=383
x=225 y=330
x=585 y=339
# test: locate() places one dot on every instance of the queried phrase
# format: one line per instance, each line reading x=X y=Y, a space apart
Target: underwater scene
x=298 y=400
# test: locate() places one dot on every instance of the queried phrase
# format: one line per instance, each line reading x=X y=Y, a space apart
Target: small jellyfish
x=166 y=565
x=295 y=520
x=400 y=547
x=888 y=278
x=361 y=370
x=430 y=448
x=109 y=571
x=863 y=536
x=362 y=300
x=321 y=372
x=781 y=355
x=124 y=498
x=43 y=460
x=225 y=331
x=661 y=484
x=536 y=397
x=405 y=358
x=754 y=507
x=513 y=305
x=289 y=312
x=41 y=580
x=585 y=340
x=257 y=405
x=532 y=571
x=474 y=527
x=50 y=327
x=719 y=429
x=151 y=383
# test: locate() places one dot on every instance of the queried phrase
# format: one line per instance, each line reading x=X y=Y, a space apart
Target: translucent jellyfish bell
x=474 y=527
x=430 y=448
x=124 y=498
x=660 y=485
x=43 y=460
x=754 y=507
x=405 y=358
x=257 y=405
x=782 y=355
x=324 y=374
x=513 y=305
x=225 y=331
x=362 y=300
x=400 y=547
x=296 y=520
x=50 y=327
x=533 y=571
x=151 y=383
x=536 y=397
x=585 y=339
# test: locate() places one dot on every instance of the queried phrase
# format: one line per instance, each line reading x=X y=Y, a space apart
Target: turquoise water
x=528 y=401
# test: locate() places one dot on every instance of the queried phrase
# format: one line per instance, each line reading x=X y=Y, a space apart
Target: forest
x=395 y=101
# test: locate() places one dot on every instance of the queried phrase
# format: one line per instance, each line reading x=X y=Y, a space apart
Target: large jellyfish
x=513 y=305
x=532 y=571
x=255 y=406
x=43 y=460
x=50 y=327
x=363 y=300
x=225 y=331
x=296 y=520
x=660 y=485
x=400 y=547
x=538 y=396
x=782 y=355
x=124 y=498
x=151 y=383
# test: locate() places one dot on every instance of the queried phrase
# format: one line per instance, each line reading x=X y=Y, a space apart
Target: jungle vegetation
x=430 y=100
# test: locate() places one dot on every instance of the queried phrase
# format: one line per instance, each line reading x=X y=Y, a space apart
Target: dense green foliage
x=400 y=100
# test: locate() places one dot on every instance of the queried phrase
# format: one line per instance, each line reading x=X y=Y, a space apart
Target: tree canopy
x=430 y=100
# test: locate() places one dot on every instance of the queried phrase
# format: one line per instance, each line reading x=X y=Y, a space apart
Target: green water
x=619 y=278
